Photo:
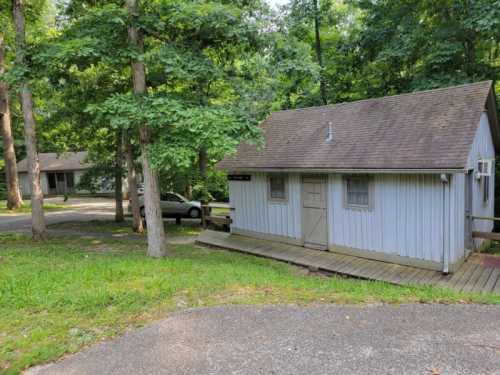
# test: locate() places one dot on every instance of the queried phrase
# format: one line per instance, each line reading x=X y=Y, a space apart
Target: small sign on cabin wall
x=239 y=177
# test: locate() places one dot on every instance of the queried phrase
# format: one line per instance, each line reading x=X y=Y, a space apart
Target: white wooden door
x=314 y=213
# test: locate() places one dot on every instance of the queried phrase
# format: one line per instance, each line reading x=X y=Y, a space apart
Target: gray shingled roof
x=69 y=161
x=423 y=130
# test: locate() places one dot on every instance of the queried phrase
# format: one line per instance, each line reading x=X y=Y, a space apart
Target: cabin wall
x=455 y=218
x=406 y=219
x=412 y=216
x=253 y=212
x=25 y=185
x=482 y=148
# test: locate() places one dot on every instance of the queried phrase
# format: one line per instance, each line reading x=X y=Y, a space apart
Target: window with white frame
x=357 y=191
x=483 y=174
x=484 y=167
x=278 y=187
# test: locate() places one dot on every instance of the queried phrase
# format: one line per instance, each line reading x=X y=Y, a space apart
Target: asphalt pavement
x=324 y=339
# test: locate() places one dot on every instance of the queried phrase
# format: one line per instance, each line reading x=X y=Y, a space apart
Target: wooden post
x=204 y=214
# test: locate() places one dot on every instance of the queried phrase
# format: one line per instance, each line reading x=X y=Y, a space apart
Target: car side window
x=173 y=198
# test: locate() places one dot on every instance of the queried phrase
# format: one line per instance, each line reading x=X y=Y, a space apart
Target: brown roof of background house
x=423 y=130
x=68 y=161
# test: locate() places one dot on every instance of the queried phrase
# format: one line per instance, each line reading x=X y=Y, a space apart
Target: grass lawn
x=220 y=211
x=191 y=228
x=59 y=296
x=26 y=208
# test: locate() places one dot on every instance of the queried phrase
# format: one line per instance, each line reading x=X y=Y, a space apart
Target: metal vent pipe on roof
x=329 y=137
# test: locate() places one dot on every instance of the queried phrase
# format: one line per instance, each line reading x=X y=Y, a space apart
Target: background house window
x=357 y=191
x=277 y=187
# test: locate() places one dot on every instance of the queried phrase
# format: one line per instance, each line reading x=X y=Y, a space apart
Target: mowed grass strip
x=188 y=228
x=59 y=296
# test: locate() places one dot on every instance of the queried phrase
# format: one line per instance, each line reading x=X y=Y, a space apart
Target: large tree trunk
x=319 y=52
x=119 y=218
x=14 y=198
x=156 y=231
x=37 y=216
x=132 y=188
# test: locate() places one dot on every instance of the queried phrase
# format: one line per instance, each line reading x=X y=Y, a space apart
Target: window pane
x=357 y=191
x=52 y=181
x=173 y=198
x=277 y=187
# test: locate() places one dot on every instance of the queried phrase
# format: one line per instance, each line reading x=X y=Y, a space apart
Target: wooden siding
x=406 y=218
x=254 y=212
x=414 y=216
x=455 y=226
x=482 y=148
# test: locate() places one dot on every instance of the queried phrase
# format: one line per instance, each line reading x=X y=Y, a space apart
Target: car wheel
x=194 y=213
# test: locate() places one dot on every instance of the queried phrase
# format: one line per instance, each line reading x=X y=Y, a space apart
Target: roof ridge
x=490 y=82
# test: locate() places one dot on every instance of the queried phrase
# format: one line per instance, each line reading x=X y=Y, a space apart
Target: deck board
x=472 y=276
x=490 y=284
x=483 y=279
x=473 y=279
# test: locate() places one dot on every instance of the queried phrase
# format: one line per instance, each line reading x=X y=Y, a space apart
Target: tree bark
x=156 y=231
x=319 y=52
x=202 y=165
x=119 y=218
x=14 y=198
x=132 y=188
x=37 y=215
x=188 y=191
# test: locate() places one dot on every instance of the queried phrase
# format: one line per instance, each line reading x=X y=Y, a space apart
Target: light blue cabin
x=402 y=179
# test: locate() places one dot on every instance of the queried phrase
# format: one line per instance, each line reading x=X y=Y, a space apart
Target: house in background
x=60 y=174
x=397 y=179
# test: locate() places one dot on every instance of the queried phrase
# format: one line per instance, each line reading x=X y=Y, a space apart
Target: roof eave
x=351 y=170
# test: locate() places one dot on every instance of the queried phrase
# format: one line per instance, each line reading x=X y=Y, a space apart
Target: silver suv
x=174 y=205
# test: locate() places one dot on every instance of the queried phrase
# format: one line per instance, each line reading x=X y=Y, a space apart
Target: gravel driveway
x=326 y=339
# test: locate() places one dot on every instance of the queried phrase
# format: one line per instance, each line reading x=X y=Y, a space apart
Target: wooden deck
x=480 y=273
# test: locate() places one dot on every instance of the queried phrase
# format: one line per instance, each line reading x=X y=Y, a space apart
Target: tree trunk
x=132 y=188
x=188 y=191
x=470 y=56
x=37 y=216
x=14 y=198
x=119 y=178
x=319 y=52
x=156 y=231
x=202 y=164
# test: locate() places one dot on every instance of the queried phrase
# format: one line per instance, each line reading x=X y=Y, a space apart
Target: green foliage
x=428 y=44
x=216 y=68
